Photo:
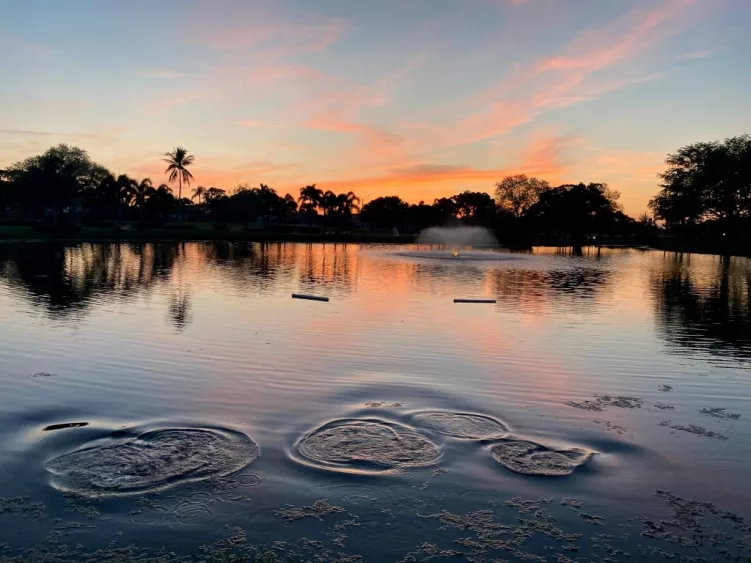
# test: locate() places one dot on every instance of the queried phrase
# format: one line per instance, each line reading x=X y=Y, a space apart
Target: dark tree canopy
x=64 y=182
x=476 y=208
x=516 y=194
x=577 y=209
x=706 y=182
x=388 y=211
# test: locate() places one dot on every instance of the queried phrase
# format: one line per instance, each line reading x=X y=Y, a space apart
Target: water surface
x=380 y=424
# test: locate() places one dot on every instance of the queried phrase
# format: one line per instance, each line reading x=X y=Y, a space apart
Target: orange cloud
x=426 y=180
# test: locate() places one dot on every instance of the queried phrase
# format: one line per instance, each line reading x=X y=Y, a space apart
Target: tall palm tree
x=142 y=192
x=179 y=160
x=310 y=198
x=199 y=192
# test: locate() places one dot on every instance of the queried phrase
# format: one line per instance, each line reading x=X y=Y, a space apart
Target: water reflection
x=702 y=303
x=564 y=289
x=179 y=311
x=66 y=279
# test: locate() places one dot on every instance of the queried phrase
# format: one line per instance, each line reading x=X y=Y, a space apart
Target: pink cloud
x=261 y=29
x=574 y=76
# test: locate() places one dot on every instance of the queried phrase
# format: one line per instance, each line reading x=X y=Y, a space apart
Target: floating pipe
x=309 y=297
x=474 y=301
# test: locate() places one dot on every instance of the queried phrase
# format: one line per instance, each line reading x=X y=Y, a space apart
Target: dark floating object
x=309 y=297
x=64 y=425
x=475 y=301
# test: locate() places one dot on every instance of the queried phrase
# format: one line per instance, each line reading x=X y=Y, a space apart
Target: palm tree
x=179 y=160
x=329 y=203
x=142 y=192
x=125 y=190
x=347 y=203
x=310 y=198
x=199 y=192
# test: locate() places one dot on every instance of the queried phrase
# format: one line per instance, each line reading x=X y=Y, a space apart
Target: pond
x=171 y=401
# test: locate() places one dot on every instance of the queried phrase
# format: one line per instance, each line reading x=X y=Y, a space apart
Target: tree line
x=706 y=190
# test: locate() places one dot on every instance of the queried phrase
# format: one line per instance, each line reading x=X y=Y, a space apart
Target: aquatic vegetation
x=530 y=458
x=489 y=535
x=602 y=402
x=429 y=551
x=665 y=388
x=720 y=413
x=154 y=460
x=612 y=426
x=525 y=506
x=663 y=407
x=693 y=429
x=463 y=425
x=697 y=524
x=367 y=445
x=572 y=503
x=319 y=509
x=23 y=506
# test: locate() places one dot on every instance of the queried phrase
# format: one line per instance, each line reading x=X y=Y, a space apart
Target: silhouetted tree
x=328 y=203
x=310 y=199
x=706 y=181
x=445 y=211
x=126 y=189
x=388 y=211
x=347 y=203
x=199 y=192
x=161 y=204
x=577 y=210
x=53 y=180
x=288 y=207
x=516 y=194
x=475 y=208
x=178 y=161
x=141 y=193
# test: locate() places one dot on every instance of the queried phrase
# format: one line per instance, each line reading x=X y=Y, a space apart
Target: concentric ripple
x=463 y=425
x=531 y=458
x=153 y=460
x=367 y=446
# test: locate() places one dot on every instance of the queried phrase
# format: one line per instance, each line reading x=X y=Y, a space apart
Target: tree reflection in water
x=702 y=303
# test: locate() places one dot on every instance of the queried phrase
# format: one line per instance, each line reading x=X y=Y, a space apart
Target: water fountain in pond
x=457 y=243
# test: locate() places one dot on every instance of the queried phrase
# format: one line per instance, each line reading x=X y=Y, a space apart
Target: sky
x=416 y=98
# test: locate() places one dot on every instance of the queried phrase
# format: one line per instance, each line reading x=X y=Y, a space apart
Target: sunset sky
x=419 y=98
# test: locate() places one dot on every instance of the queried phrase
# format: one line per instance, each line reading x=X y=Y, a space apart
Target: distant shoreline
x=9 y=234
